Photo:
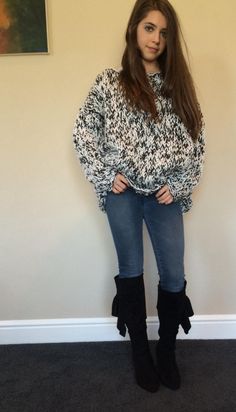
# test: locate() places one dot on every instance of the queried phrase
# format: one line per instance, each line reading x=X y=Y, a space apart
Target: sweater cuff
x=105 y=184
x=175 y=189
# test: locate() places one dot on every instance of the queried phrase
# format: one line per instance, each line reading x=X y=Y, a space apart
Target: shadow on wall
x=216 y=195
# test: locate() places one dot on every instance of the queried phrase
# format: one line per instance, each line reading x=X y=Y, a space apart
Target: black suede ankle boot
x=130 y=309
x=174 y=309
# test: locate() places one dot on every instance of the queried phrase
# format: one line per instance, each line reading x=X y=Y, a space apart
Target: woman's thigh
x=125 y=216
x=165 y=227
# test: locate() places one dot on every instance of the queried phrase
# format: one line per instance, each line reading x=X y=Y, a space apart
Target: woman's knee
x=172 y=283
x=131 y=269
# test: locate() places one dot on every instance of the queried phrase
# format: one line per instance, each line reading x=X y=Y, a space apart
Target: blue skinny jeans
x=126 y=213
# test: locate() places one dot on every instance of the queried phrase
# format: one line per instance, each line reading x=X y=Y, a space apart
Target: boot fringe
x=187 y=313
x=117 y=313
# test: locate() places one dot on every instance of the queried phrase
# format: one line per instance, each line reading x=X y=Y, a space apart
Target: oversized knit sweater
x=112 y=138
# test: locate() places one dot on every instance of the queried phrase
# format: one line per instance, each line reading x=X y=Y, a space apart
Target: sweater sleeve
x=89 y=138
x=182 y=183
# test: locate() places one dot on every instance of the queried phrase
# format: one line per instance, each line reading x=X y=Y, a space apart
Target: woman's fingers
x=120 y=184
x=120 y=178
x=118 y=189
x=164 y=196
x=166 y=200
x=115 y=191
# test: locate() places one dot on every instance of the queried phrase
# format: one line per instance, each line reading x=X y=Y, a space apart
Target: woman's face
x=151 y=38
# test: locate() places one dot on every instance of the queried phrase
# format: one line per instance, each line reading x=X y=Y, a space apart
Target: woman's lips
x=152 y=49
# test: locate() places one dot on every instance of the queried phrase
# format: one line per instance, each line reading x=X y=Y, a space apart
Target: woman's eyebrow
x=154 y=25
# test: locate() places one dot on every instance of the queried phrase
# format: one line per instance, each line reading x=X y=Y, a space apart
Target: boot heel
x=174 y=309
x=167 y=369
x=145 y=373
x=130 y=308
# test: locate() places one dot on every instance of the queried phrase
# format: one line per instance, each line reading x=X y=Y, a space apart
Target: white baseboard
x=104 y=329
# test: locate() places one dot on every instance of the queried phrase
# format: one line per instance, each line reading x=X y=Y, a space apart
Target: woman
x=140 y=140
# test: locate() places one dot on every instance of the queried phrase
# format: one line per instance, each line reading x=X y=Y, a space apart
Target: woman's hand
x=120 y=184
x=164 y=196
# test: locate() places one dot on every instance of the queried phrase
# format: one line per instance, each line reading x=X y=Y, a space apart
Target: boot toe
x=168 y=370
x=146 y=373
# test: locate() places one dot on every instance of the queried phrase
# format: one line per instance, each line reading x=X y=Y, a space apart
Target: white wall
x=57 y=257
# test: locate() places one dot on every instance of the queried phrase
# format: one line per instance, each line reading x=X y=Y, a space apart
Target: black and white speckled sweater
x=109 y=138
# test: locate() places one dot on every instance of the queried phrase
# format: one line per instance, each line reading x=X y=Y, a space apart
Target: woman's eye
x=148 y=28
x=164 y=34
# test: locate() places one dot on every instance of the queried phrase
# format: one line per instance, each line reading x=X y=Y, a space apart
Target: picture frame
x=23 y=27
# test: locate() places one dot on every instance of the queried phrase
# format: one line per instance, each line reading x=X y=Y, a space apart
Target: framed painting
x=23 y=27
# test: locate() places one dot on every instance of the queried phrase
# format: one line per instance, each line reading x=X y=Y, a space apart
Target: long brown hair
x=177 y=80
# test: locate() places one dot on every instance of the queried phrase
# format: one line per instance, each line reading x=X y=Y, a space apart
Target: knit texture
x=111 y=137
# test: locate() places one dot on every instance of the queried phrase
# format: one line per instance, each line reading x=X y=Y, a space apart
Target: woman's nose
x=156 y=37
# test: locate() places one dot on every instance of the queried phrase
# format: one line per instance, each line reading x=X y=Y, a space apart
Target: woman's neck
x=151 y=67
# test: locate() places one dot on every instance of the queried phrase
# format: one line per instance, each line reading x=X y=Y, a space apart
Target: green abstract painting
x=23 y=26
